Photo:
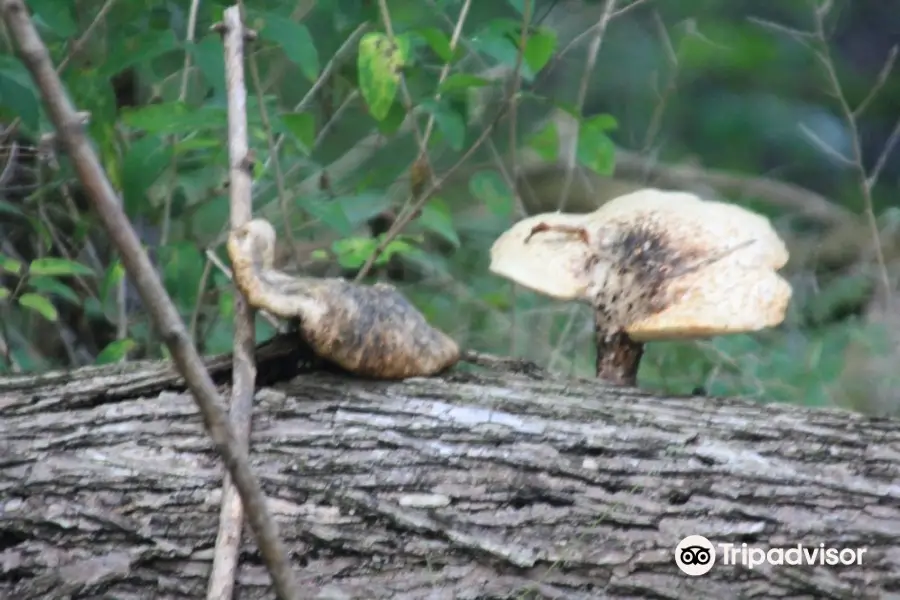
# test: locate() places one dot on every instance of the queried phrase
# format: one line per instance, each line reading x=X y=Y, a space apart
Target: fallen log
x=477 y=485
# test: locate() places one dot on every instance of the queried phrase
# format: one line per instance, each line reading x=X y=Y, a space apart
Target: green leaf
x=379 y=65
x=53 y=16
x=460 y=82
x=496 y=40
x=17 y=92
x=10 y=208
x=175 y=118
x=137 y=50
x=519 y=6
x=210 y=61
x=361 y=207
x=51 y=286
x=331 y=214
x=353 y=252
x=40 y=305
x=4 y=293
x=183 y=265
x=10 y=265
x=449 y=122
x=293 y=38
x=302 y=126
x=439 y=43
x=602 y=122
x=114 y=274
x=539 y=48
x=490 y=188
x=546 y=143
x=345 y=213
x=506 y=27
x=57 y=266
x=595 y=149
x=186 y=145
x=397 y=246
x=115 y=351
x=436 y=217
x=145 y=160
x=392 y=122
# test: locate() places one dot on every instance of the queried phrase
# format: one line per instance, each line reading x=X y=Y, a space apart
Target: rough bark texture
x=473 y=486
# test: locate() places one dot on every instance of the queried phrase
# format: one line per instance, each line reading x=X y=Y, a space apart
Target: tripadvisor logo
x=695 y=555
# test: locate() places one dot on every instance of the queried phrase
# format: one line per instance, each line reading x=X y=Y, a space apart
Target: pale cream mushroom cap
x=689 y=220
x=717 y=302
x=737 y=291
x=551 y=263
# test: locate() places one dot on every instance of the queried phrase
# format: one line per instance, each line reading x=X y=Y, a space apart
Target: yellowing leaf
x=379 y=65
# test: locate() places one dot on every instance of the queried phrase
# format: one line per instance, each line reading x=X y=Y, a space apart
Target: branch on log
x=476 y=485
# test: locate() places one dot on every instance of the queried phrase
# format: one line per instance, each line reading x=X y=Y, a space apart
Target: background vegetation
x=345 y=95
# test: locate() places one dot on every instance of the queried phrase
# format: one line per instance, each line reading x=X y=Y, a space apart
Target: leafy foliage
x=354 y=114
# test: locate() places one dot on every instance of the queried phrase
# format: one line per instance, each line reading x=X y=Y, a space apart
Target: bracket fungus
x=654 y=265
x=372 y=331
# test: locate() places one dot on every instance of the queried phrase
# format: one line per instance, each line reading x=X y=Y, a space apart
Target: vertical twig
x=445 y=70
x=513 y=155
x=165 y=317
x=866 y=182
x=198 y=305
x=273 y=155
x=593 y=49
x=231 y=516
x=182 y=96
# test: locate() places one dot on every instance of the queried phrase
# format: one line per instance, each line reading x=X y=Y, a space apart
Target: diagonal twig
x=165 y=317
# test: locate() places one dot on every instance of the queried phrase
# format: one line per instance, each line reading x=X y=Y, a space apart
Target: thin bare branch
x=445 y=70
x=593 y=49
x=198 y=305
x=406 y=217
x=165 y=317
x=672 y=57
x=231 y=516
x=189 y=39
x=865 y=186
x=348 y=45
x=281 y=190
x=872 y=179
x=803 y=37
x=513 y=154
x=627 y=8
x=886 y=69
x=824 y=146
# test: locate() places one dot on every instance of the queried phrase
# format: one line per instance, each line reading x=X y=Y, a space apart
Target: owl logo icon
x=695 y=555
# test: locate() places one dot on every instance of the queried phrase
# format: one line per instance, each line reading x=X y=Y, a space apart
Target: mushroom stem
x=618 y=356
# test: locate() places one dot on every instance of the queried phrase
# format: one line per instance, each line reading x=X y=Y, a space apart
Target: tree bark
x=477 y=485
